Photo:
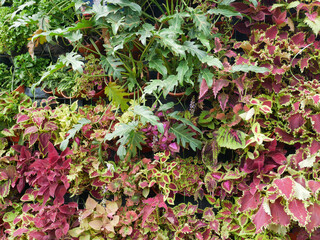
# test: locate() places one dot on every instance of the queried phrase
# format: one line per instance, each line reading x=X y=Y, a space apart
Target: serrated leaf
x=147 y=116
x=126 y=3
x=201 y=23
x=158 y=65
x=208 y=76
x=226 y=11
x=194 y=49
x=314 y=25
x=185 y=136
x=145 y=32
x=300 y=192
x=74 y=60
x=248 y=68
x=185 y=121
x=212 y=61
x=117 y=95
x=112 y=66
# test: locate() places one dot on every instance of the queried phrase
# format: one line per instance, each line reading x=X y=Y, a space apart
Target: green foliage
x=117 y=95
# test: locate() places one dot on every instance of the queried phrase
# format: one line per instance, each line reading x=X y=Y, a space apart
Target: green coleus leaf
x=248 y=68
x=117 y=95
x=230 y=138
x=185 y=136
x=147 y=116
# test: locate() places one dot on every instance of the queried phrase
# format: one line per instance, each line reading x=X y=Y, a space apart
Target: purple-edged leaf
x=261 y=219
x=285 y=186
x=296 y=121
x=298 y=211
x=218 y=85
x=279 y=216
x=314 y=223
x=249 y=201
x=315 y=120
x=31 y=129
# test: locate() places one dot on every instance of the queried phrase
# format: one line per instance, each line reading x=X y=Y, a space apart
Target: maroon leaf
x=298 y=39
x=298 y=211
x=296 y=121
x=261 y=219
x=272 y=32
x=285 y=186
x=33 y=138
x=315 y=147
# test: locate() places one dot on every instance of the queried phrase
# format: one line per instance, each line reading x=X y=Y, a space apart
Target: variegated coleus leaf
x=231 y=138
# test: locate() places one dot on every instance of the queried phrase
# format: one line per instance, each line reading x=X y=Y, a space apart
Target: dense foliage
x=206 y=126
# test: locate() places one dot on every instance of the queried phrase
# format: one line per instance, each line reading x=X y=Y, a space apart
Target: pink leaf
x=38 y=120
x=23 y=118
x=33 y=138
x=279 y=216
x=315 y=217
x=278 y=157
x=261 y=219
x=223 y=99
x=315 y=147
x=218 y=85
x=298 y=39
x=298 y=211
x=285 y=186
x=20 y=231
x=249 y=201
x=314 y=186
x=203 y=89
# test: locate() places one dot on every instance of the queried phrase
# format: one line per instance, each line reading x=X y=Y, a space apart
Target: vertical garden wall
x=162 y=119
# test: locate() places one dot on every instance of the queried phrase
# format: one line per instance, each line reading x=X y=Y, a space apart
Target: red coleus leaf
x=33 y=138
x=298 y=211
x=298 y=39
x=279 y=216
x=249 y=201
x=203 y=89
x=315 y=147
x=314 y=223
x=296 y=121
x=272 y=32
x=261 y=219
x=315 y=120
x=173 y=187
x=285 y=187
x=218 y=85
x=278 y=157
x=50 y=126
x=304 y=63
